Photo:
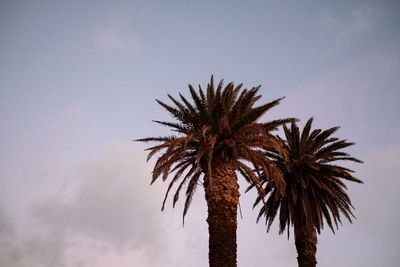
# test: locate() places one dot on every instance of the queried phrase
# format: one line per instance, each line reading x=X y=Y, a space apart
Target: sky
x=78 y=82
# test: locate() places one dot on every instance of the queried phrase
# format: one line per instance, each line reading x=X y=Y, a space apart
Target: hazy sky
x=78 y=80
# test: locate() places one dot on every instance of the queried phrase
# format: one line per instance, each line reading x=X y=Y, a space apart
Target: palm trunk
x=222 y=196
x=306 y=244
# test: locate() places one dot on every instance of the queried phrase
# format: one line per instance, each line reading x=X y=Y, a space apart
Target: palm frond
x=218 y=124
x=315 y=191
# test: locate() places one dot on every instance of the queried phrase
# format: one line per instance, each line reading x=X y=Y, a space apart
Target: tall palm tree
x=216 y=135
x=315 y=191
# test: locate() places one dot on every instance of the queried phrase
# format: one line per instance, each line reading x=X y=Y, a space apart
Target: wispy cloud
x=110 y=39
x=342 y=30
x=115 y=39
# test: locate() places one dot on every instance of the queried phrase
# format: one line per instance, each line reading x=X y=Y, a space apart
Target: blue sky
x=78 y=82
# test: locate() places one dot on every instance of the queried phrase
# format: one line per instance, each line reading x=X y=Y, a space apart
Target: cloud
x=115 y=39
x=343 y=29
x=110 y=39
x=24 y=251
x=111 y=204
x=6 y=224
x=86 y=254
x=108 y=211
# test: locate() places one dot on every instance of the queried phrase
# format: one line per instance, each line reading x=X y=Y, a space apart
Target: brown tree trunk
x=222 y=196
x=306 y=244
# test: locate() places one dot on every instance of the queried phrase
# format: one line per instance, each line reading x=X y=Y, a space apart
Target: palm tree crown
x=314 y=183
x=218 y=125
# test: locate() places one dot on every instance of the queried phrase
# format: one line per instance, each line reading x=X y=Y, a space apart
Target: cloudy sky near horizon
x=78 y=80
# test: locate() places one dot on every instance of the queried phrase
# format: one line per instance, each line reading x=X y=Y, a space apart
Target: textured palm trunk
x=222 y=196
x=306 y=244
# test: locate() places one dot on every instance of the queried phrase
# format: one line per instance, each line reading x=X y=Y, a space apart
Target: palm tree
x=216 y=135
x=314 y=187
